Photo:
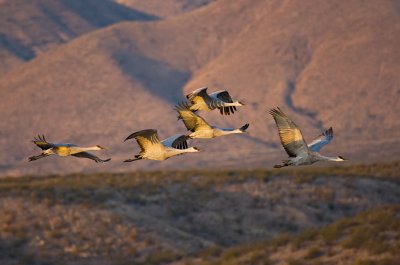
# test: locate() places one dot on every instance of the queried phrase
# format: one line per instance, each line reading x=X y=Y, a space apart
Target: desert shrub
x=161 y=256
x=279 y=241
x=211 y=251
x=257 y=258
x=307 y=235
x=324 y=195
x=313 y=253
x=295 y=262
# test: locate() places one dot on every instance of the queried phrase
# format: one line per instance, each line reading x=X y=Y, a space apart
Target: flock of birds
x=152 y=148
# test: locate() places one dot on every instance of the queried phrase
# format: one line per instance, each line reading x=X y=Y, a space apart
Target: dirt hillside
x=326 y=64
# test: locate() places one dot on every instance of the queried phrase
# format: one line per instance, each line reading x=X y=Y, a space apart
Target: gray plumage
x=200 y=100
x=294 y=144
x=199 y=127
x=65 y=149
x=154 y=149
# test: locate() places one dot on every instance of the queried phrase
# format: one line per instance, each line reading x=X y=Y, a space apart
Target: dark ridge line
x=158 y=78
x=302 y=57
x=290 y=89
x=16 y=47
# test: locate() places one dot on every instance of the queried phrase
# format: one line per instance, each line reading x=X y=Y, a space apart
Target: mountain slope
x=159 y=217
x=29 y=28
x=165 y=8
x=100 y=88
x=324 y=63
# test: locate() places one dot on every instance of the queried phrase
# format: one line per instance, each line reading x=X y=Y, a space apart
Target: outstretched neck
x=90 y=148
x=221 y=131
x=173 y=151
x=75 y=150
x=330 y=158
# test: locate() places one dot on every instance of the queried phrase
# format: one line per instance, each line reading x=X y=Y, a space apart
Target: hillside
x=30 y=28
x=201 y=217
x=165 y=8
x=360 y=240
x=326 y=64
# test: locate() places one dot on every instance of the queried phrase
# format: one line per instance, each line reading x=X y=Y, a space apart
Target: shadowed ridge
x=159 y=78
x=29 y=28
x=166 y=8
x=113 y=12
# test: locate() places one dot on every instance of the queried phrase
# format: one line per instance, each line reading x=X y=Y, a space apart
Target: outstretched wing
x=33 y=158
x=91 y=156
x=178 y=141
x=322 y=140
x=198 y=94
x=225 y=97
x=147 y=139
x=291 y=138
x=191 y=120
x=41 y=142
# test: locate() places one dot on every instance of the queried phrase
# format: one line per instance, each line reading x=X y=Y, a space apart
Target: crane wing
x=191 y=120
x=91 y=156
x=200 y=93
x=178 y=141
x=41 y=142
x=225 y=97
x=322 y=140
x=33 y=158
x=291 y=138
x=147 y=139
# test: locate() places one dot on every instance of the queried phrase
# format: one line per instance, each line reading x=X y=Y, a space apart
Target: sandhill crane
x=201 y=100
x=293 y=142
x=65 y=150
x=153 y=149
x=199 y=127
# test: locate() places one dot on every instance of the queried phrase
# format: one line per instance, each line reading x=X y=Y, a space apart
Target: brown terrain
x=88 y=78
x=30 y=28
x=165 y=8
x=346 y=215
x=92 y=72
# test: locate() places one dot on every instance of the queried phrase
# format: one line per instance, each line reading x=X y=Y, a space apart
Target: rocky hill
x=203 y=217
x=165 y=8
x=326 y=64
x=30 y=28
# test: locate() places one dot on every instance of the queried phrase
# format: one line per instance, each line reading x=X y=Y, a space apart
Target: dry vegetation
x=205 y=217
x=370 y=238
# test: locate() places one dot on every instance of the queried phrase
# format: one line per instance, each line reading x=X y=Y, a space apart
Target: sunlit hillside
x=311 y=216
x=91 y=72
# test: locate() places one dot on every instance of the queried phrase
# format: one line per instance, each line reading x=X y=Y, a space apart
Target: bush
x=313 y=253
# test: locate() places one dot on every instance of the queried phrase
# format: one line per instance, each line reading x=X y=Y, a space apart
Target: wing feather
x=225 y=97
x=191 y=120
x=322 y=140
x=146 y=139
x=291 y=137
x=178 y=141
x=91 y=156
x=200 y=92
x=41 y=142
